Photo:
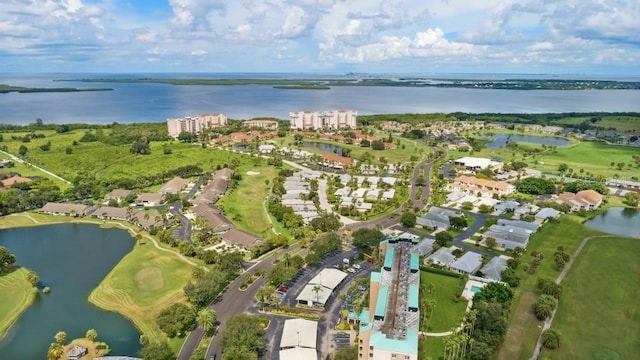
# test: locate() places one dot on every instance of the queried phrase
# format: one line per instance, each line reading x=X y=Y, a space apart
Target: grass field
x=431 y=347
x=113 y=162
x=243 y=205
x=523 y=326
x=598 y=315
x=620 y=123
x=590 y=157
x=16 y=295
x=447 y=313
x=392 y=155
x=143 y=283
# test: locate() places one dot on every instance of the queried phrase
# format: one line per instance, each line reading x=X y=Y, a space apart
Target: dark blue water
x=502 y=140
x=156 y=102
x=329 y=148
x=618 y=221
x=72 y=259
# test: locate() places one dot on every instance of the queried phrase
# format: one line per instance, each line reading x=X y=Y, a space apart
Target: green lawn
x=16 y=295
x=523 y=326
x=244 y=204
x=143 y=283
x=399 y=154
x=447 y=313
x=599 y=315
x=588 y=156
x=113 y=162
x=432 y=347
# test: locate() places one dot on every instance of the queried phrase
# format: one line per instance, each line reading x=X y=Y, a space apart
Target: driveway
x=184 y=232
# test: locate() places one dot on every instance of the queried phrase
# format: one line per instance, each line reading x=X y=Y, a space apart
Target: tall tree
x=7 y=259
x=544 y=307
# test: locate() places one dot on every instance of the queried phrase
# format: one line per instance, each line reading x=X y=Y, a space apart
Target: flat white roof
x=329 y=278
x=298 y=354
x=309 y=295
x=299 y=333
x=476 y=162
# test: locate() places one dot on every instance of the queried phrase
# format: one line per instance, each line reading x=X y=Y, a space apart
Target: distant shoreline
x=325 y=84
x=5 y=89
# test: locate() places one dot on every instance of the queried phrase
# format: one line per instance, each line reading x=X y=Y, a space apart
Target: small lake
x=502 y=140
x=72 y=259
x=618 y=221
x=330 y=148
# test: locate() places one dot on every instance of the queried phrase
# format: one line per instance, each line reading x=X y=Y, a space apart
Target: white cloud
x=298 y=35
x=199 y=52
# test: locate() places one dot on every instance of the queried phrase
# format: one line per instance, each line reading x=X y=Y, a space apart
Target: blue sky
x=333 y=36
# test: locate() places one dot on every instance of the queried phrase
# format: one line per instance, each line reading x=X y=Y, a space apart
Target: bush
x=551 y=339
x=543 y=307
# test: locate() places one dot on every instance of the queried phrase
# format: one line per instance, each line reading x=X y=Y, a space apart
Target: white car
x=351 y=270
x=356 y=266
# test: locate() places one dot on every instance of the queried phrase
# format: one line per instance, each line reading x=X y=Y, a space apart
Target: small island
x=324 y=84
x=4 y=89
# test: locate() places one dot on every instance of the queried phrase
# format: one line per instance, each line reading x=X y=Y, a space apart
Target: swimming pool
x=475 y=289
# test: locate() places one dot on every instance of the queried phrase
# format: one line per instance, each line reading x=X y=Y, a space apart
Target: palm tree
x=316 y=289
x=92 y=334
x=206 y=320
x=551 y=339
x=55 y=351
x=61 y=337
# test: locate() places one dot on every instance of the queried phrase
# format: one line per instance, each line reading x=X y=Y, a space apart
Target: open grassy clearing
x=431 y=347
x=524 y=328
x=399 y=154
x=619 y=123
x=590 y=157
x=243 y=205
x=143 y=283
x=16 y=295
x=448 y=312
x=598 y=315
x=112 y=161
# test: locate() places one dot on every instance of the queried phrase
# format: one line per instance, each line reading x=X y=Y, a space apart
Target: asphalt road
x=230 y=302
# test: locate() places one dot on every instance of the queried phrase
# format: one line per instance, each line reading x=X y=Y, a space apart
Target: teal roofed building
x=389 y=326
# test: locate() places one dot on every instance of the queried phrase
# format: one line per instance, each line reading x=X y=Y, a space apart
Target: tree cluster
x=7 y=261
x=285 y=270
x=491 y=306
x=176 y=320
x=536 y=186
x=367 y=239
x=576 y=186
x=242 y=337
x=323 y=245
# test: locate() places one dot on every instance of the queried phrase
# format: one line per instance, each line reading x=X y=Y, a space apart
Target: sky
x=321 y=36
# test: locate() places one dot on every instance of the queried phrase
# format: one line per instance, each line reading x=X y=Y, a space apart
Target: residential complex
x=195 y=124
x=261 y=123
x=389 y=327
x=472 y=185
x=315 y=120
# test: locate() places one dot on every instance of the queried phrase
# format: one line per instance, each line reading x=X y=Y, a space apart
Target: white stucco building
x=316 y=120
x=195 y=124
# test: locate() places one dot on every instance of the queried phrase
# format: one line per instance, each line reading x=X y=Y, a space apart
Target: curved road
x=233 y=301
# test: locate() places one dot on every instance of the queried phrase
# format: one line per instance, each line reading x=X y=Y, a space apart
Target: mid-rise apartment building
x=195 y=124
x=389 y=328
x=326 y=120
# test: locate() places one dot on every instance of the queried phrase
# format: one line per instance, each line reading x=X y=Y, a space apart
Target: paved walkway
x=567 y=267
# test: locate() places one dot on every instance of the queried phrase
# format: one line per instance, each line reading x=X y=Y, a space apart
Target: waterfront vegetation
x=524 y=329
x=143 y=283
x=605 y=276
x=16 y=295
x=583 y=159
x=20 y=89
x=510 y=84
